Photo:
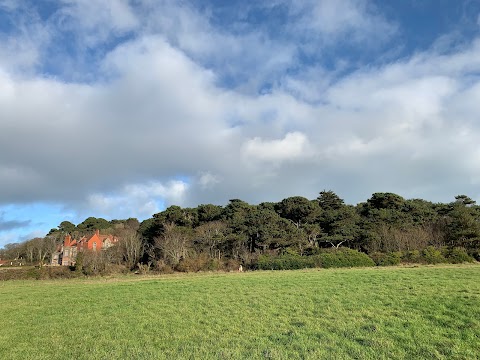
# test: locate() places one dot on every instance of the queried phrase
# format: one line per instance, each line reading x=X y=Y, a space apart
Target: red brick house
x=67 y=253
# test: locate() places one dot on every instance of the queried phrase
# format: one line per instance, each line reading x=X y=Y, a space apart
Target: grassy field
x=378 y=313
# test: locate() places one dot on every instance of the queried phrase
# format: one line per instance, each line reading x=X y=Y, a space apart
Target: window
x=94 y=245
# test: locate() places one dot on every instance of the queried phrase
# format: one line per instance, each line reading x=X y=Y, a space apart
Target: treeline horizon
x=386 y=227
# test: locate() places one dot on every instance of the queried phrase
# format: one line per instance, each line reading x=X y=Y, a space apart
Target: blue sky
x=120 y=108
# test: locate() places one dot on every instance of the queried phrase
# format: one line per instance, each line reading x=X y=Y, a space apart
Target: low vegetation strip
x=425 y=312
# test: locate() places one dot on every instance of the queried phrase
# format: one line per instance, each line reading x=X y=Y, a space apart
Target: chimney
x=67 y=241
x=97 y=232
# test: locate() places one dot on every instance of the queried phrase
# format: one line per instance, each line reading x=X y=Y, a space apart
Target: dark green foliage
x=463 y=226
x=344 y=257
x=67 y=227
x=328 y=200
x=388 y=259
x=420 y=212
x=298 y=210
x=149 y=229
x=330 y=258
x=267 y=206
x=386 y=201
x=429 y=255
x=209 y=212
x=286 y=262
x=176 y=215
x=457 y=255
x=339 y=226
x=236 y=210
x=266 y=230
x=93 y=223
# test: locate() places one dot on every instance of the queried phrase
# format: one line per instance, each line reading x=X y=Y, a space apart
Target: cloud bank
x=113 y=109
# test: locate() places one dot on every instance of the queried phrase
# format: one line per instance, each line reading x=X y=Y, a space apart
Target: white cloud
x=21 y=49
x=137 y=200
x=344 y=21
x=162 y=116
x=208 y=180
x=293 y=146
x=95 y=21
x=244 y=59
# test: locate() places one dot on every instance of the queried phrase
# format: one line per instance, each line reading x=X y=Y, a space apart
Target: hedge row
x=330 y=258
x=430 y=255
x=345 y=257
x=35 y=273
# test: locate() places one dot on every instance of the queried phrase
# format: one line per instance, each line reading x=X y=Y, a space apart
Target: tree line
x=386 y=227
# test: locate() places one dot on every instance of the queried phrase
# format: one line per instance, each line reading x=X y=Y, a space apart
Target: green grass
x=379 y=313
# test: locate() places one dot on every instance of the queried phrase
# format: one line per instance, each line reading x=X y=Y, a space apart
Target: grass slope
x=381 y=313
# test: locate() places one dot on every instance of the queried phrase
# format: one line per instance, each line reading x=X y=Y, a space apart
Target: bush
x=79 y=262
x=330 y=258
x=413 y=256
x=432 y=255
x=57 y=272
x=214 y=265
x=476 y=255
x=232 y=265
x=203 y=262
x=162 y=267
x=457 y=255
x=343 y=257
x=35 y=273
x=93 y=263
x=285 y=262
x=388 y=259
x=429 y=255
x=193 y=263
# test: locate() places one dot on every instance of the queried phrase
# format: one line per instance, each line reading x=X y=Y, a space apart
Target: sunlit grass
x=380 y=313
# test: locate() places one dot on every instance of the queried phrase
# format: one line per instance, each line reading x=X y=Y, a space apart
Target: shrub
x=343 y=257
x=329 y=258
x=232 y=265
x=187 y=265
x=93 y=263
x=214 y=265
x=57 y=272
x=35 y=273
x=476 y=255
x=162 y=267
x=432 y=255
x=79 y=262
x=386 y=259
x=457 y=255
x=413 y=256
x=200 y=262
x=285 y=262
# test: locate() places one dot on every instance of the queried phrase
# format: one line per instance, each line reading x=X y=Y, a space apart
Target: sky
x=118 y=108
